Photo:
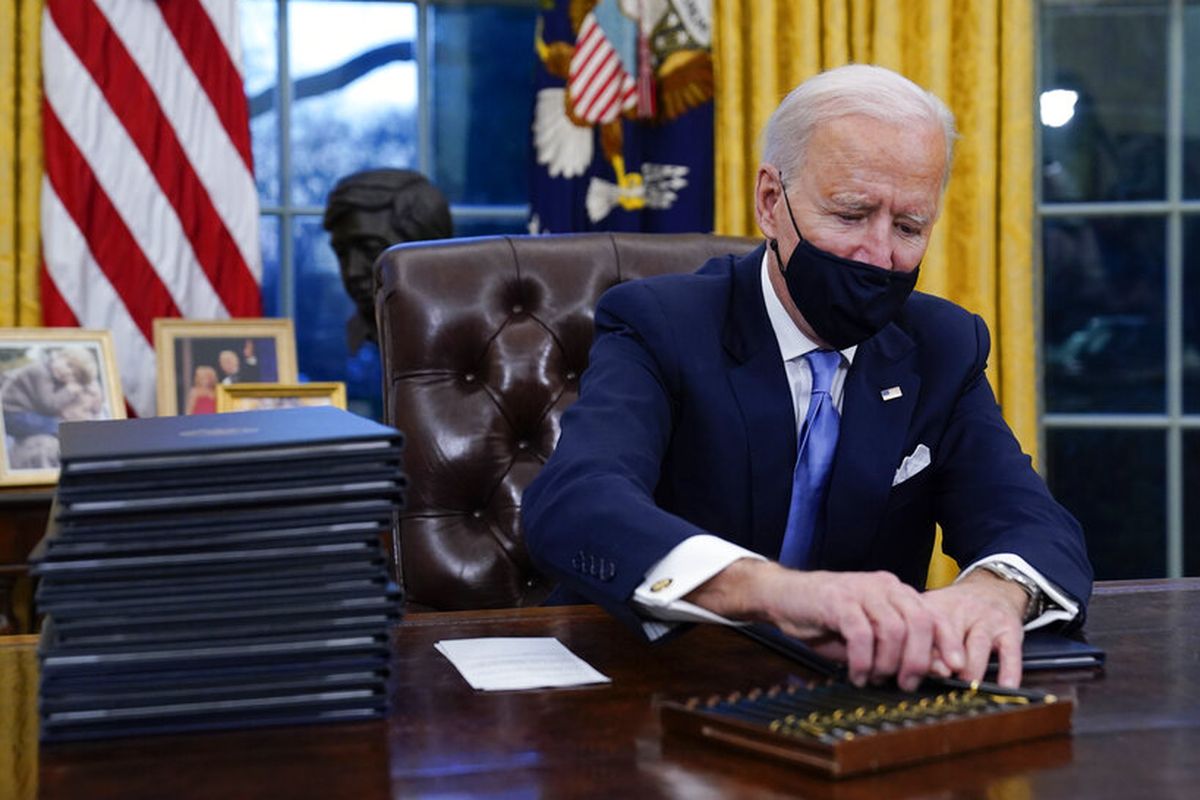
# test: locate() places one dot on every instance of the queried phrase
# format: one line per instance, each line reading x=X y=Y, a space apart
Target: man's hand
x=986 y=614
x=878 y=625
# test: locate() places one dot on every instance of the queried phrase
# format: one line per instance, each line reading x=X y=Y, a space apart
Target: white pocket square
x=913 y=464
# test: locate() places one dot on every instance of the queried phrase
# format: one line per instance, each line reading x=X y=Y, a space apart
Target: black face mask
x=846 y=302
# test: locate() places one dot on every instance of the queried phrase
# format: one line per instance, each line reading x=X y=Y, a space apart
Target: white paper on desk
x=525 y=662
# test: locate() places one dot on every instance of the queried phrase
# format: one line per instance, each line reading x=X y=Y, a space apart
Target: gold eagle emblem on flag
x=631 y=59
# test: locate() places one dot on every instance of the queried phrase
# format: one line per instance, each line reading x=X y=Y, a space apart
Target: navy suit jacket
x=684 y=425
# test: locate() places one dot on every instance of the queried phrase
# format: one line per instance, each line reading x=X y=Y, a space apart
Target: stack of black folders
x=218 y=571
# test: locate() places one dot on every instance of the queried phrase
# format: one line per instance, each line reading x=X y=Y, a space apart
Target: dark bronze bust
x=366 y=213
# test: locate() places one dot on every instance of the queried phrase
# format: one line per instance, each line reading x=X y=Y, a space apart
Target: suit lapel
x=871 y=438
x=760 y=387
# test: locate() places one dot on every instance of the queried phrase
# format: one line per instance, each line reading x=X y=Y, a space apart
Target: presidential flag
x=149 y=207
x=622 y=122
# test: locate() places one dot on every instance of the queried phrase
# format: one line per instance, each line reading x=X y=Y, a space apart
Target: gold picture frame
x=258 y=396
x=194 y=357
x=49 y=376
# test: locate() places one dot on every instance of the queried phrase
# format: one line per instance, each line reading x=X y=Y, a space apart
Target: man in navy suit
x=670 y=497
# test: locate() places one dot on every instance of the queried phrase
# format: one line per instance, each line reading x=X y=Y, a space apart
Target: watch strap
x=1037 y=598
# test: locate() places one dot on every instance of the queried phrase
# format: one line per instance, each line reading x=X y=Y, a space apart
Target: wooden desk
x=1137 y=727
x=23 y=515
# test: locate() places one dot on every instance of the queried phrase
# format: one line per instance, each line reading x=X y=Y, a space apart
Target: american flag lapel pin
x=891 y=393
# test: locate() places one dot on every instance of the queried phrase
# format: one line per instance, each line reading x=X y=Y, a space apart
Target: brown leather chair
x=483 y=342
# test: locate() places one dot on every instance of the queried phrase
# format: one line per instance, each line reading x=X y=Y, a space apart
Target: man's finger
x=1008 y=649
x=948 y=641
x=917 y=657
x=979 y=648
x=938 y=667
x=830 y=646
x=890 y=634
x=860 y=644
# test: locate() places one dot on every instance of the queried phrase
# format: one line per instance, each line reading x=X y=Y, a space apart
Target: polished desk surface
x=1136 y=726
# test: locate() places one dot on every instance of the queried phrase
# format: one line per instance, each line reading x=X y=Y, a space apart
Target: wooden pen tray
x=839 y=730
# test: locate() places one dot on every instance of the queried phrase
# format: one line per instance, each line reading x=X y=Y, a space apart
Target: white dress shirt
x=698 y=558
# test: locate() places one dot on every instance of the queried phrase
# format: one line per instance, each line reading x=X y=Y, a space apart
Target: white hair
x=851 y=90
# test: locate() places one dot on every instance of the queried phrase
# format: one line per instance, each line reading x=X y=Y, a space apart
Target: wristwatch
x=1037 y=599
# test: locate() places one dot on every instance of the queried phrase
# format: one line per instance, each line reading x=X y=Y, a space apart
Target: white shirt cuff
x=1058 y=608
x=692 y=562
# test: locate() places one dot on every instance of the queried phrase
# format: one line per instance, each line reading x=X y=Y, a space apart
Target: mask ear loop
x=788 y=203
x=774 y=243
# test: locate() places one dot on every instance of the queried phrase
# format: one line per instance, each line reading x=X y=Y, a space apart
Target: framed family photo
x=196 y=357
x=49 y=376
x=257 y=396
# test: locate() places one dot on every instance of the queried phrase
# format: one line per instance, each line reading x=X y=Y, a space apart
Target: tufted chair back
x=483 y=342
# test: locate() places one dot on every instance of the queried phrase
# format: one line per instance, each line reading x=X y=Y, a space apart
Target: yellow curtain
x=977 y=55
x=20 y=160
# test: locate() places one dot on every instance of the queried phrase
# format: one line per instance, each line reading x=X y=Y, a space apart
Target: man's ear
x=767 y=195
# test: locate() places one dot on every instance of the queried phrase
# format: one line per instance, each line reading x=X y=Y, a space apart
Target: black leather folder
x=1042 y=650
x=276 y=436
x=1046 y=650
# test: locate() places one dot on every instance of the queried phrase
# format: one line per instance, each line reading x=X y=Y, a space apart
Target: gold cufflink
x=660 y=584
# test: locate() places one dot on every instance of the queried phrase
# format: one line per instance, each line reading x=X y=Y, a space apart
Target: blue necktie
x=810 y=480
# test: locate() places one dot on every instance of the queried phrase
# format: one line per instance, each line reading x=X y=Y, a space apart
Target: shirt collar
x=792 y=341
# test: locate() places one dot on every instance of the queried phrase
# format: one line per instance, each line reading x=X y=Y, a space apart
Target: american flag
x=600 y=86
x=149 y=207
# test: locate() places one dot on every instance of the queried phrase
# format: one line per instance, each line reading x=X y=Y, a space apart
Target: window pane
x=1103 y=100
x=489 y=226
x=354 y=91
x=1191 y=503
x=260 y=67
x=1191 y=102
x=1104 y=314
x=1113 y=482
x=1191 y=315
x=322 y=309
x=482 y=101
x=268 y=234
